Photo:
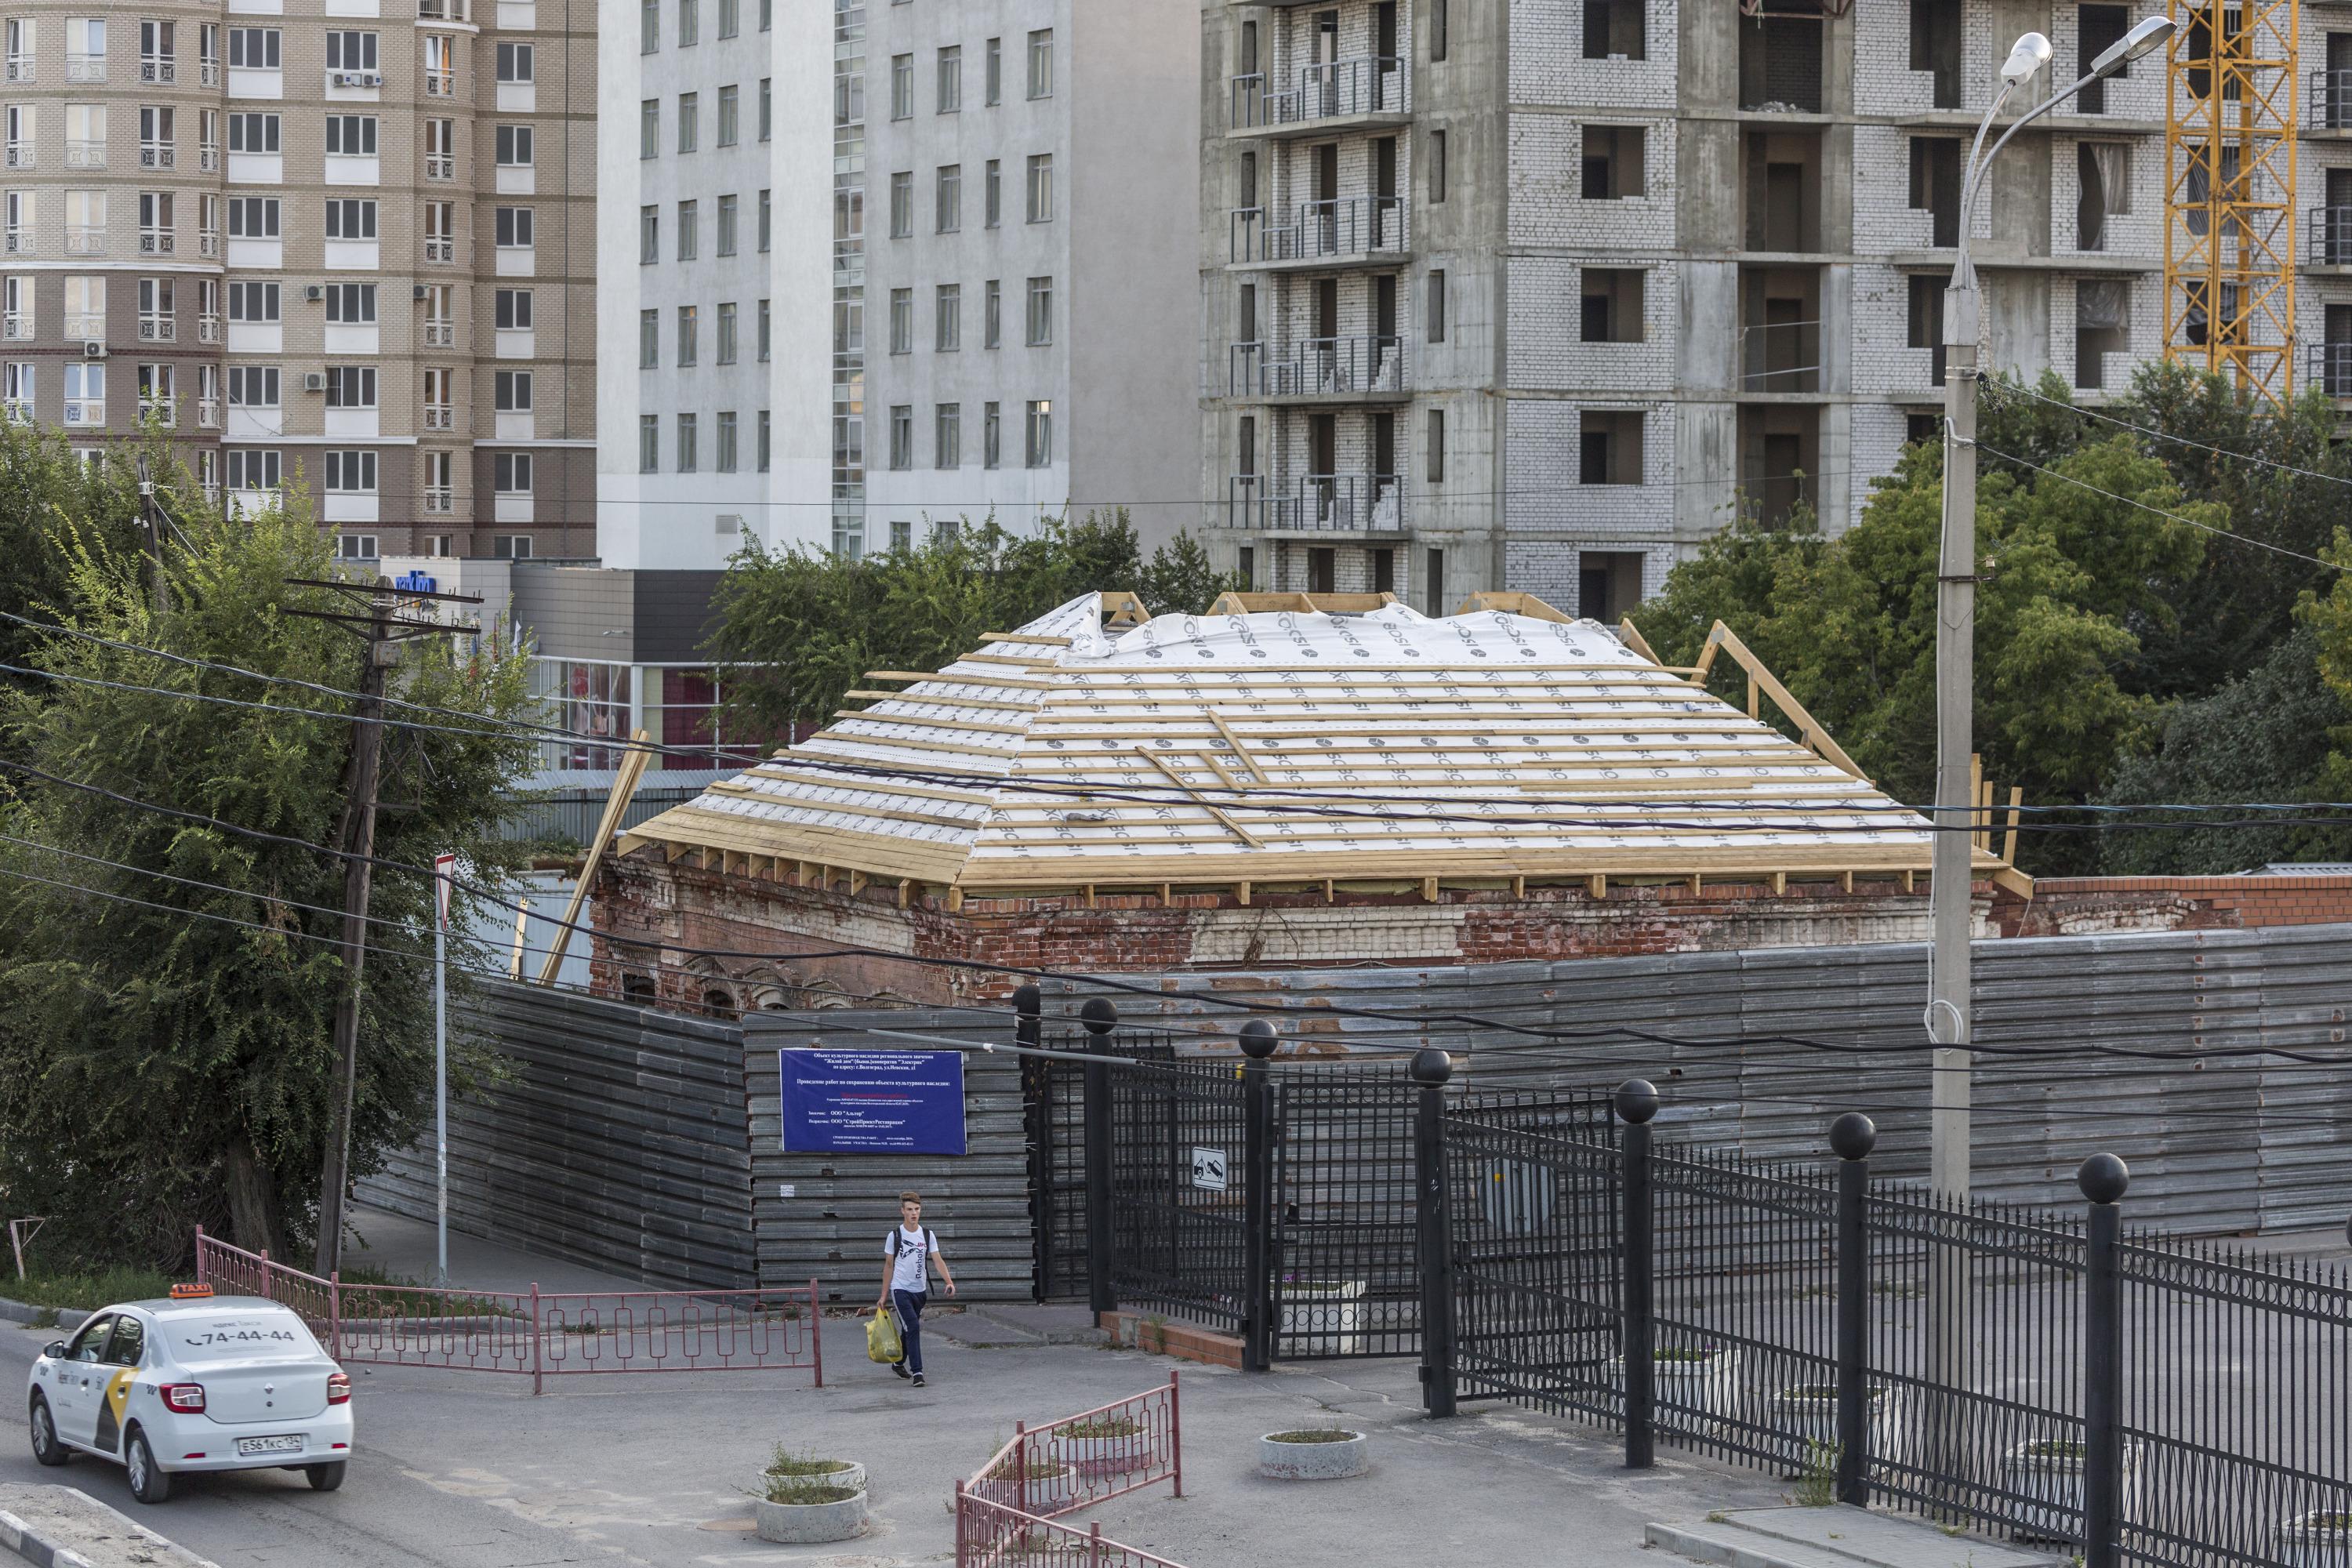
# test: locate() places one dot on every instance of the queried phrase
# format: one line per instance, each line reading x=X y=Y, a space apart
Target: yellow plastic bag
x=882 y=1342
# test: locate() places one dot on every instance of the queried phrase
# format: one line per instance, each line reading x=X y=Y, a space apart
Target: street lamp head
x=2147 y=33
x=2030 y=53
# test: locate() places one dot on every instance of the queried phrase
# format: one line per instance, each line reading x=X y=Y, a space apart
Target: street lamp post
x=1950 y=1017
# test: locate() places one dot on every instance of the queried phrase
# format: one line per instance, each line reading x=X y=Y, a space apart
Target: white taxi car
x=194 y=1383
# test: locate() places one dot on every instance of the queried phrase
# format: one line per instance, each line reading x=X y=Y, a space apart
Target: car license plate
x=245 y=1445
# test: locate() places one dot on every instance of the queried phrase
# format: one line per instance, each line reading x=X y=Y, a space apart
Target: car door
x=125 y=1348
x=79 y=1381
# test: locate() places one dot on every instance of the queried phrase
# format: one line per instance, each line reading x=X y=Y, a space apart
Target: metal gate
x=1346 y=1277
x=1054 y=1104
x=1179 y=1236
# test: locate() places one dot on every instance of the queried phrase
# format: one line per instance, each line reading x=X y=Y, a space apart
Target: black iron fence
x=2045 y=1376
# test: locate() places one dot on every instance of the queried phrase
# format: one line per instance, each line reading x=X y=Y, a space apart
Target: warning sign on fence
x=1208 y=1170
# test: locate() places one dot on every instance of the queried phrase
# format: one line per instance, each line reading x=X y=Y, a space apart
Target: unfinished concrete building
x=1537 y=294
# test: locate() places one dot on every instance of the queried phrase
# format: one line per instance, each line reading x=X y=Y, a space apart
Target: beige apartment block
x=347 y=244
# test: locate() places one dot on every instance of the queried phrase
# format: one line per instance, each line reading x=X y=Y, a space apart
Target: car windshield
x=241 y=1337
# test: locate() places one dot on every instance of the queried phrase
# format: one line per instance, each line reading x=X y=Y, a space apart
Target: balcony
x=440 y=84
x=2328 y=366
x=85 y=155
x=440 y=166
x=2331 y=237
x=85 y=239
x=444 y=11
x=156 y=155
x=208 y=73
x=208 y=243
x=158 y=329
x=208 y=413
x=1367 y=366
x=15 y=328
x=443 y=500
x=84 y=67
x=1359 y=229
x=18 y=410
x=155 y=242
x=440 y=416
x=85 y=412
x=17 y=71
x=440 y=334
x=440 y=250
x=19 y=155
x=1366 y=86
x=208 y=329
x=208 y=159
x=83 y=329
x=16 y=242
x=1316 y=503
x=167 y=409
x=158 y=68
x=2331 y=100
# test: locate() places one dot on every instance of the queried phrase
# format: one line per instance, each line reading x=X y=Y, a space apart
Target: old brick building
x=1287 y=781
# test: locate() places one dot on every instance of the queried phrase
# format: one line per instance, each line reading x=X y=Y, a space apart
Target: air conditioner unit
x=371 y=78
x=315 y=381
x=93 y=348
x=356 y=79
x=313 y=292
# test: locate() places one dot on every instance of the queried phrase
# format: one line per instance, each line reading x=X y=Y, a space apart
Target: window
x=1437 y=304
x=258 y=133
x=1041 y=313
x=511 y=547
x=1437 y=166
x=1041 y=187
x=648 y=236
x=512 y=309
x=994 y=72
x=902 y=321
x=2101 y=327
x=510 y=391
x=352 y=471
x=767 y=108
x=689 y=121
x=947 y=198
x=440 y=149
x=1609 y=449
x=351 y=51
x=763 y=425
x=253 y=48
x=902 y=436
x=726 y=205
x=728 y=115
x=1611 y=305
x=995 y=199
x=1437 y=29
x=992 y=435
x=350 y=217
x=1041 y=435
x=354 y=135
x=350 y=386
x=1245 y=445
x=1436 y=445
x=356 y=547
x=991 y=302
x=1925 y=320
x=2098 y=28
x=1041 y=63
x=947 y=316
x=724 y=458
x=512 y=226
x=650 y=128
x=689 y=335
x=730 y=17
x=764 y=332
x=1936 y=186
x=902 y=204
x=727 y=331
x=946 y=435
x=352 y=304
x=690 y=23
x=252 y=386
x=950 y=79
x=1615 y=29
x=649 y=441
x=1612 y=161
x=689 y=230
x=648 y=26
x=515 y=146
x=763 y=223
x=250 y=471
x=902 y=87
x=1936 y=48
x=2103 y=170
x=690 y=438
x=516 y=62
x=648 y=340
x=902 y=535
x=510 y=474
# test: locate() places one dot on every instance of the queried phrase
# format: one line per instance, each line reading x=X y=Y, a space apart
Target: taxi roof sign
x=190 y=1292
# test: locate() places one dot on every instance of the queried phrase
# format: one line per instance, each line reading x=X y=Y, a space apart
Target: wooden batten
x=1779 y=883
x=905 y=892
x=955 y=901
x=1597 y=886
x=1429 y=889
x=1242 y=894
x=1845 y=881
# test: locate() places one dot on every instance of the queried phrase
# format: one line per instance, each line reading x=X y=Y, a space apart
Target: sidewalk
x=404 y=1249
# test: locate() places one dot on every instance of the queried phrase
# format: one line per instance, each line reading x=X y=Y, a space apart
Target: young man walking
x=910 y=1249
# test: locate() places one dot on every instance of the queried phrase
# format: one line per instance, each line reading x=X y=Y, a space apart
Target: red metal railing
x=542 y=1333
x=1006 y=1512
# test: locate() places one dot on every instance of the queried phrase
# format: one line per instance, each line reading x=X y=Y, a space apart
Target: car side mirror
x=55 y=1350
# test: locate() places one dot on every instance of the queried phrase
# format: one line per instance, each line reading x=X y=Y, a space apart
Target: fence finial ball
x=1028 y=1001
x=1258 y=1039
x=1636 y=1101
x=2103 y=1179
x=1098 y=1015
x=1853 y=1136
x=1432 y=1066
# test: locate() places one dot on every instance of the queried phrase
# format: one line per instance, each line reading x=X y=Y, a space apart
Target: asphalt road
x=469 y=1472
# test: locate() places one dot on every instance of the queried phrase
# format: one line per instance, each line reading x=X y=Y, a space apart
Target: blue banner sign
x=872 y=1102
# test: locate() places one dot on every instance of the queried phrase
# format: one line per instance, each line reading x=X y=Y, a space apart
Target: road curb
x=67 y=1317
x=40 y=1545
x=25 y=1542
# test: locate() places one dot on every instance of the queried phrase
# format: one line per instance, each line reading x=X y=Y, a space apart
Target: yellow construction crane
x=2229 y=165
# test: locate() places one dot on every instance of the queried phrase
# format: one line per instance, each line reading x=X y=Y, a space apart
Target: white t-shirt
x=913 y=1246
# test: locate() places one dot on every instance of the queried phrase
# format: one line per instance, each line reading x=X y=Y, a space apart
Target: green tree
x=161 y=1066
x=45 y=492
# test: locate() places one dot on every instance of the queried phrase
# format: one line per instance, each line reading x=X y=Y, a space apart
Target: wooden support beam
x=1090 y=895
x=1518 y=887
x=1248 y=761
x=1845 y=881
x=1209 y=759
x=1028 y=637
x=1633 y=639
x=1172 y=776
x=905 y=892
x=1429 y=889
x=856 y=883
x=1779 y=884
x=955 y=901
x=1696 y=883
x=2009 y=840
x=1976 y=800
x=1808 y=726
x=1241 y=893
x=625 y=788
x=522 y=918
x=1331 y=891
x=1909 y=881
x=1597 y=886
x=1166 y=896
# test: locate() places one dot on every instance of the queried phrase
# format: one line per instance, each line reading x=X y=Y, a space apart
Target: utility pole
x=152 y=511
x=381 y=629
x=444 y=869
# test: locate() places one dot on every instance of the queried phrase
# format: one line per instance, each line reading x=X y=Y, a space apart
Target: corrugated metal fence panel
x=2307 y=1152
x=830 y=1227
x=617 y=1139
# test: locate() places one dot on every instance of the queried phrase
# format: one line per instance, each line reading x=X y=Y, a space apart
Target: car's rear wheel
x=46 y=1449
x=324 y=1478
x=149 y=1482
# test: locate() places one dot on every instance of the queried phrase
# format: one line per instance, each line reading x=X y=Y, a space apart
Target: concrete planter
x=1705 y=1380
x=1325 y=1461
x=805 y=1524
x=2049 y=1472
x=1808 y=1413
x=1323 y=1318
x=852 y=1475
x=1104 y=1453
x=2322 y=1540
x=1047 y=1490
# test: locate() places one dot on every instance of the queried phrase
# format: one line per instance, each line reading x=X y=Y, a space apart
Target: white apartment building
x=1535 y=294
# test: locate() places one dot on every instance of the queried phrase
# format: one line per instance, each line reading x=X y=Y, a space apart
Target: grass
x=391 y=1295
x=802 y=1491
x=1010 y=1468
x=803 y=1467
x=1108 y=1427
x=1314 y=1434
x=1817 y=1486
x=84 y=1291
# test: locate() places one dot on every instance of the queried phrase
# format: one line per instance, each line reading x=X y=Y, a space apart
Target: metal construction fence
x=1006 y=1513
x=533 y=1332
x=2045 y=1375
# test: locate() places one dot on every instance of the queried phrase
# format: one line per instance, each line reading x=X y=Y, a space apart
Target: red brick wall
x=2070 y=906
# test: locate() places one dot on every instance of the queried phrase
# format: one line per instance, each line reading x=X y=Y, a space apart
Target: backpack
x=931 y=1246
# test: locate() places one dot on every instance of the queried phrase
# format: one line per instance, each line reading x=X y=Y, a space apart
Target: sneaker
x=918 y=1380
x=900 y=1368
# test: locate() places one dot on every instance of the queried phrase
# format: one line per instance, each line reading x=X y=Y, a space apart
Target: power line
x=2000 y=390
